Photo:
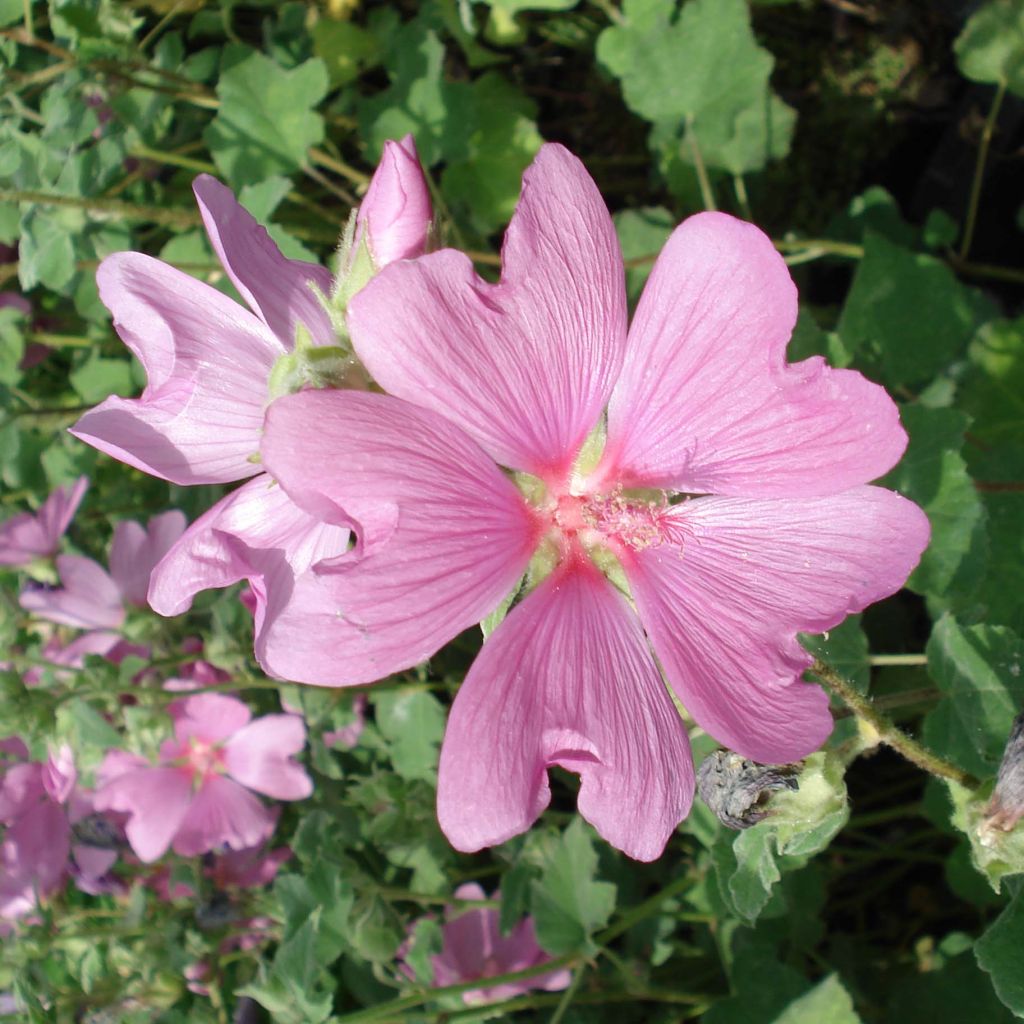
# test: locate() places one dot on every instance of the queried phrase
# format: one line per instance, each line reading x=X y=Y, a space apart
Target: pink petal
x=223 y=813
x=34 y=858
x=566 y=679
x=135 y=551
x=59 y=509
x=59 y=774
x=723 y=606
x=396 y=211
x=256 y=533
x=25 y=537
x=208 y=361
x=525 y=366
x=21 y=789
x=156 y=800
x=116 y=763
x=260 y=757
x=89 y=599
x=278 y=290
x=706 y=402
x=443 y=535
x=210 y=717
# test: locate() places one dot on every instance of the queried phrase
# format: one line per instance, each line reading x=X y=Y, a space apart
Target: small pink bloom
x=474 y=948
x=754 y=522
x=395 y=213
x=348 y=735
x=200 y=796
x=26 y=537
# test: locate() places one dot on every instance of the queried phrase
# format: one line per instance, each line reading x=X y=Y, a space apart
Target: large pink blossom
x=726 y=511
x=209 y=362
x=91 y=597
x=199 y=797
x=26 y=537
x=473 y=948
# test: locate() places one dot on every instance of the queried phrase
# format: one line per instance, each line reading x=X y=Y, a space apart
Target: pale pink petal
x=706 y=402
x=443 y=535
x=278 y=290
x=136 y=550
x=116 y=763
x=395 y=212
x=156 y=800
x=207 y=360
x=25 y=537
x=59 y=509
x=525 y=366
x=21 y=789
x=89 y=599
x=210 y=717
x=567 y=680
x=250 y=868
x=260 y=757
x=59 y=774
x=223 y=813
x=34 y=858
x=724 y=601
x=256 y=533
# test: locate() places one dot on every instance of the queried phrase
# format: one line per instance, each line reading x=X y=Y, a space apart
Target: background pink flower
x=26 y=537
x=199 y=797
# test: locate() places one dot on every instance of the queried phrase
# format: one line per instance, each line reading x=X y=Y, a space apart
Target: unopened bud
x=395 y=213
x=737 y=790
x=1006 y=806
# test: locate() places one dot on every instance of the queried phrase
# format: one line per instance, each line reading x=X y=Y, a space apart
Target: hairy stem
x=979 y=169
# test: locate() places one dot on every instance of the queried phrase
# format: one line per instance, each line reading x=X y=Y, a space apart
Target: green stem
x=740 y=187
x=898 y=659
x=568 y=995
x=698 y=165
x=108 y=209
x=888 y=733
x=979 y=169
x=643 y=910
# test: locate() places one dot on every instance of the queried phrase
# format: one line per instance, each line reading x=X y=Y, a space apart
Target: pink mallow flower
x=209 y=363
x=719 y=509
x=474 y=948
x=92 y=598
x=200 y=796
x=37 y=835
x=26 y=537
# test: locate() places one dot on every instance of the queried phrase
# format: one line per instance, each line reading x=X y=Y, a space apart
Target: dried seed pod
x=736 y=790
x=1006 y=807
x=98 y=832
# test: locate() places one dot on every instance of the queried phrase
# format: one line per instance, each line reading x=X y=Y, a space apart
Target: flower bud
x=1006 y=807
x=395 y=214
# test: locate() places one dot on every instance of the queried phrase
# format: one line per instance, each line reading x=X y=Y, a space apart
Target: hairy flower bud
x=736 y=789
x=1006 y=807
x=395 y=214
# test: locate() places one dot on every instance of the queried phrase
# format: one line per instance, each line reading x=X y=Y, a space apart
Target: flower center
x=611 y=520
x=203 y=759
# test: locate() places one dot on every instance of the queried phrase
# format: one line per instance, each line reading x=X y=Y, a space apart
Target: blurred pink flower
x=92 y=598
x=200 y=796
x=26 y=537
x=348 y=735
x=396 y=212
x=474 y=948
x=727 y=494
x=37 y=835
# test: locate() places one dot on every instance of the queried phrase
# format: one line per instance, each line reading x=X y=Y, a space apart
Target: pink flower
x=92 y=598
x=396 y=213
x=728 y=497
x=473 y=947
x=26 y=537
x=198 y=798
x=37 y=838
x=348 y=735
x=209 y=361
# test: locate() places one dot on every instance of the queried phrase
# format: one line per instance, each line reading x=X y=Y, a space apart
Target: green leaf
x=642 y=233
x=46 y=254
x=994 y=853
x=978 y=668
x=933 y=474
x=906 y=313
x=412 y=722
x=491 y=136
x=12 y=343
x=827 y=1003
x=98 y=377
x=991 y=46
x=11 y=11
x=568 y=905
x=346 y=49
x=701 y=68
x=266 y=121
x=998 y=952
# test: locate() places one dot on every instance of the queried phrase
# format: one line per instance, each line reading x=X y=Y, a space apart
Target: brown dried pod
x=737 y=790
x=1006 y=807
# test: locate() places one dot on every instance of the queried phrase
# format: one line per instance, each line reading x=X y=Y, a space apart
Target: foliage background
x=880 y=145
